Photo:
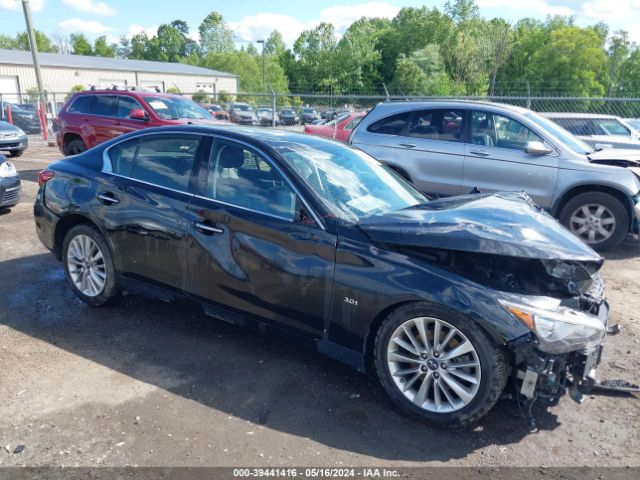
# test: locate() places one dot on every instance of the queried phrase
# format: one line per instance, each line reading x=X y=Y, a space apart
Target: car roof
x=445 y=103
x=272 y=137
x=578 y=115
x=140 y=93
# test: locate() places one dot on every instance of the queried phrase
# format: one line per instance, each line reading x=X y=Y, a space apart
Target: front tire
x=438 y=366
x=16 y=153
x=88 y=266
x=596 y=218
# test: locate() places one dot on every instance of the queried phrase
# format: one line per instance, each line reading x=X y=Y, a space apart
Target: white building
x=61 y=72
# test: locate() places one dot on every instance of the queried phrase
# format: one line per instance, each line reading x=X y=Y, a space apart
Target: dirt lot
x=146 y=383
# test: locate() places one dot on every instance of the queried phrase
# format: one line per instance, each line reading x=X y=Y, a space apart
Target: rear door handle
x=108 y=198
x=207 y=228
x=408 y=145
x=480 y=153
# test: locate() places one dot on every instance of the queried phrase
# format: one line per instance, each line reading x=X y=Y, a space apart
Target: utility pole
x=264 y=85
x=34 y=48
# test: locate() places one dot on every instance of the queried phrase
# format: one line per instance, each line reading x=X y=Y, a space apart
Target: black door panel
x=262 y=266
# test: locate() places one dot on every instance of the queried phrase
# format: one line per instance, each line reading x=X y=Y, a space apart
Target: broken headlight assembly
x=559 y=329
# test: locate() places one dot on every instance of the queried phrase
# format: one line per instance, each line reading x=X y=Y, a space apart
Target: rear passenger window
x=121 y=156
x=393 y=125
x=104 y=105
x=445 y=125
x=82 y=104
x=166 y=160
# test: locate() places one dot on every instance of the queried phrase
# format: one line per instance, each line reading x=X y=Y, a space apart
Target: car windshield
x=215 y=108
x=564 y=136
x=173 y=108
x=286 y=112
x=611 y=126
x=352 y=184
x=308 y=110
x=244 y=108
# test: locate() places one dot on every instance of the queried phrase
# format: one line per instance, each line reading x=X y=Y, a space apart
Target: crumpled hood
x=501 y=224
x=609 y=154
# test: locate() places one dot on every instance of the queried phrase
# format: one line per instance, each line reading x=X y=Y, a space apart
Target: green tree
x=618 y=53
x=124 y=47
x=462 y=11
x=80 y=45
x=43 y=42
x=174 y=91
x=8 y=43
x=499 y=42
x=75 y=89
x=275 y=45
x=571 y=62
x=315 y=63
x=103 y=49
x=215 y=35
x=139 y=46
x=410 y=30
x=201 y=97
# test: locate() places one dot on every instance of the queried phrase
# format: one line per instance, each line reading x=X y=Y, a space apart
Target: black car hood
x=507 y=224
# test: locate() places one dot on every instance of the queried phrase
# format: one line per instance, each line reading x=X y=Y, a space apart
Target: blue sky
x=255 y=19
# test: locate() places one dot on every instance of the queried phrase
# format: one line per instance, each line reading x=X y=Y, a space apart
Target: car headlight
x=7 y=170
x=559 y=329
x=21 y=132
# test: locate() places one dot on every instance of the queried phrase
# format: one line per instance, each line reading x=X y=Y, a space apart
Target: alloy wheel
x=592 y=223
x=434 y=364
x=85 y=263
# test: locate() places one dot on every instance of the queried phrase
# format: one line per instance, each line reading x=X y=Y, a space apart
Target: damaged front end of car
x=541 y=275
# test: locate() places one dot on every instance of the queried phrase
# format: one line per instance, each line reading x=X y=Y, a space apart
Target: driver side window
x=241 y=177
x=494 y=130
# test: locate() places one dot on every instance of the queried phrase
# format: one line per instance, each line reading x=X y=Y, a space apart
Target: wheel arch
x=493 y=334
x=69 y=221
x=591 y=188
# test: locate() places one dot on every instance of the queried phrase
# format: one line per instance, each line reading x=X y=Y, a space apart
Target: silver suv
x=454 y=147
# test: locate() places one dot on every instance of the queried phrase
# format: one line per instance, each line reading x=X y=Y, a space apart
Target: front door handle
x=408 y=145
x=207 y=228
x=108 y=198
x=480 y=153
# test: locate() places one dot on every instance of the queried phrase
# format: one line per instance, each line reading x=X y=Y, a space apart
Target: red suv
x=92 y=117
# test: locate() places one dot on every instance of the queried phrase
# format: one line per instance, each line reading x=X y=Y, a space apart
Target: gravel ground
x=152 y=384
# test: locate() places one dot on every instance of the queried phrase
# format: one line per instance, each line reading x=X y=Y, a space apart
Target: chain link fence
x=27 y=112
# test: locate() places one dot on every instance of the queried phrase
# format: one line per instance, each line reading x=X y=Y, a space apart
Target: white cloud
x=538 y=6
x=259 y=26
x=344 y=15
x=36 y=5
x=610 y=11
x=85 y=26
x=135 y=29
x=89 y=6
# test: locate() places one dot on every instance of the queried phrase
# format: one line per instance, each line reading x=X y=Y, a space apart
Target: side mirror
x=537 y=148
x=138 y=114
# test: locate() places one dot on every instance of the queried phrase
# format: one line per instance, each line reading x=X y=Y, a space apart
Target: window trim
x=271 y=163
x=464 y=137
x=106 y=169
x=526 y=123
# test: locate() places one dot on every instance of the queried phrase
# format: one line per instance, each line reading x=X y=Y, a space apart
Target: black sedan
x=448 y=301
x=10 y=188
x=13 y=140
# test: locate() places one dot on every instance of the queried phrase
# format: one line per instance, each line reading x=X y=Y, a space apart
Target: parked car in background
x=92 y=117
x=446 y=301
x=10 y=187
x=13 y=140
x=218 y=112
x=599 y=131
x=309 y=115
x=265 y=116
x=338 y=129
x=450 y=148
x=27 y=120
x=329 y=115
x=288 y=116
x=243 y=114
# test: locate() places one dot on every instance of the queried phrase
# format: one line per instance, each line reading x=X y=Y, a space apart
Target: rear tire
x=463 y=397
x=74 y=147
x=596 y=218
x=88 y=265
